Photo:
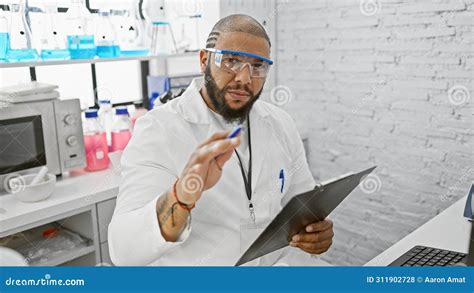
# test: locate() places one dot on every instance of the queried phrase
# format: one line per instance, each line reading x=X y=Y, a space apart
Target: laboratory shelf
x=90 y=61
x=66 y=256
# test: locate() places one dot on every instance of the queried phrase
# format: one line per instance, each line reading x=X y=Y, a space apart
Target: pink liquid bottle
x=95 y=141
x=121 y=130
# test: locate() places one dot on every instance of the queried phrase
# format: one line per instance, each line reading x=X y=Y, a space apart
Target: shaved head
x=236 y=23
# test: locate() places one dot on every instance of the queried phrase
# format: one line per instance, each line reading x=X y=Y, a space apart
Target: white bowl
x=12 y=258
x=26 y=192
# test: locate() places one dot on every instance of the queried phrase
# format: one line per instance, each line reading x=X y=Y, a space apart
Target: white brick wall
x=374 y=89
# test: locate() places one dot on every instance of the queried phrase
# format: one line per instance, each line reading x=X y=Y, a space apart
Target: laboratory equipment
x=4 y=35
x=153 y=99
x=48 y=32
x=163 y=42
x=185 y=41
x=131 y=35
x=79 y=26
x=105 y=36
x=27 y=191
x=11 y=258
x=29 y=92
x=39 y=176
x=121 y=132
x=20 y=44
x=106 y=118
x=95 y=141
x=40 y=133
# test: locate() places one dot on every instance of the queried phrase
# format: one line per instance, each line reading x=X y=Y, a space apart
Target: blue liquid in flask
x=4 y=44
x=81 y=47
x=55 y=54
x=108 y=51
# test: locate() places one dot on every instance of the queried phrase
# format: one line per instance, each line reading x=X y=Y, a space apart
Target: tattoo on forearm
x=169 y=213
x=162 y=203
x=165 y=211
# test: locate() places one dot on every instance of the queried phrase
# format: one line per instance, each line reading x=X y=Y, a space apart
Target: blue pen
x=282 y=177
x=235 y=132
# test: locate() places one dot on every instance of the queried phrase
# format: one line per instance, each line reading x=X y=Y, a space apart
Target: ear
x=202 y=60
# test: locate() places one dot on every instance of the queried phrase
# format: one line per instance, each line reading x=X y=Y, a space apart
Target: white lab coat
x=162 y=143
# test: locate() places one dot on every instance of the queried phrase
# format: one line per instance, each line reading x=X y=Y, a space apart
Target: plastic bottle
x=106 y=118
x=80 y=39
x=121 y=132
x=106 y=38
x=95 y=141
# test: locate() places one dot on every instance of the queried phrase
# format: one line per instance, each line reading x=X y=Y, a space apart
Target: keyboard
x=428 y=256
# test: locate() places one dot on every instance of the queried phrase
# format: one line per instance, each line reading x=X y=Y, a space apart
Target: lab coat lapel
x=260 y=136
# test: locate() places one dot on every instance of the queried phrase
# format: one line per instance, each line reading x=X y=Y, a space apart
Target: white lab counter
x=448 y=230
x=82 y=202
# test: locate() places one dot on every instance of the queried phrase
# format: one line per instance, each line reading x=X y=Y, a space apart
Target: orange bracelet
x=181 y=204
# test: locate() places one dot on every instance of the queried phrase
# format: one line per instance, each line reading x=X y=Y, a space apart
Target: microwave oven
x=41 y=133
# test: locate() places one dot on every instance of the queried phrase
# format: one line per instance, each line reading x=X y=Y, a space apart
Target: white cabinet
x=104 y=254
x=105 y=210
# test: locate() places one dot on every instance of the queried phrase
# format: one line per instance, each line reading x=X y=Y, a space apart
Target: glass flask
x=4 y=35
x=20 y=47
x=105 y=36
x=163 y=41
x=48 y=32
x=131 y=35
x=79 y=31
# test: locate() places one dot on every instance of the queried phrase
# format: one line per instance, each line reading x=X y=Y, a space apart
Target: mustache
x=240 y=88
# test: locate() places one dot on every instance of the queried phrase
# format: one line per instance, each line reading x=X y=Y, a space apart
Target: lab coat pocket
x=249 y=231
x=280 y=184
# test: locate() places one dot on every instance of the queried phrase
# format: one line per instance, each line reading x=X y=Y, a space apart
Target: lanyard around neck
x=248 y=178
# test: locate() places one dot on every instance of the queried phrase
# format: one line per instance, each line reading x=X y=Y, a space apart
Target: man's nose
x=244 y=76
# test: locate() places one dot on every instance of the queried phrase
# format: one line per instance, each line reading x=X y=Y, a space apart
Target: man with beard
x=192 y=195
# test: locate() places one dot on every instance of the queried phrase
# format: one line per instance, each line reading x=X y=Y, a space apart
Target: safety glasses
x=235 y=61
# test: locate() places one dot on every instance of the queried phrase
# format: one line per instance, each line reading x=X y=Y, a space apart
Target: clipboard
x=302 y=210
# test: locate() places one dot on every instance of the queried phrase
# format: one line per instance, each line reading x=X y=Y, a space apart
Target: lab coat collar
x=194 y=109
